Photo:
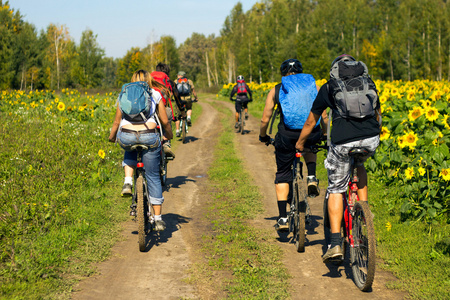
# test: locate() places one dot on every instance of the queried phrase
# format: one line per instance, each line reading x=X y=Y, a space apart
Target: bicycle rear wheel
x=183 y=131
x=241 y=120
x=141 y=213
x=362 y=254
x=299 y=196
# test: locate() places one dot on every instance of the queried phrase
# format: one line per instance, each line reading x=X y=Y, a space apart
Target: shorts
x=285 y=154
x=188 y=103
x=240 y=104
x=338 y=162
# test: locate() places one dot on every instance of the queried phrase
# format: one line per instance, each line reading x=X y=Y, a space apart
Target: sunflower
x=410 y=139
x=61 y=106
x=409 y=173
x=421 y=171
x=431 y=113
x=385 y=133
x=446 y=122
x=415 y=113
x=402 y=142
x=101 y=153
x=445 y=174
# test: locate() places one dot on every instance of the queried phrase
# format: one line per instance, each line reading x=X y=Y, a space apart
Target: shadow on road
x=176 y=182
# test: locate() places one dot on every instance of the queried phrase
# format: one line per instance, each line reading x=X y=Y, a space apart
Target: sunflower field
x=414 y=150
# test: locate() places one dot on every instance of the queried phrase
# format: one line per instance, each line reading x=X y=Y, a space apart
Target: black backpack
x=353 y=90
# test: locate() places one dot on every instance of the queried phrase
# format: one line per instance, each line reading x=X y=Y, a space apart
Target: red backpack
x=162 y=77
x=241 y=87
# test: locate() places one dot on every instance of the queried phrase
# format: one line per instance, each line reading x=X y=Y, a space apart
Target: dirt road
x=161 y=272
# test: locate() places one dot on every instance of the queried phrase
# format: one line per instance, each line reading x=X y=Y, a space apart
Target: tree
x=90 y=60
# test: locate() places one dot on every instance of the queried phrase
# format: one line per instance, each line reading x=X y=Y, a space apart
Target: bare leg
x=335 y=212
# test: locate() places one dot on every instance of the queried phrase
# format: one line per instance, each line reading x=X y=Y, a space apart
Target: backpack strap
x=277 y=103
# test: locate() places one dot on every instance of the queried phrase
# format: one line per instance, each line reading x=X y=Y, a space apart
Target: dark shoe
x=313 y=186
x=126 y=190
x=333 y=254
x=160 y=225
x=168 y=150
x=246 y=116
x=282 y=224
x=236 y=125
x=188 y=121
x=177 y=133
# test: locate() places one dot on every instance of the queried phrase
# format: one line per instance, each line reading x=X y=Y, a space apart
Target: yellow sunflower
x=431 y=113
x=421 y=171
x=409 y=173
x=61 y=106
x=445 y=174
x=101 y=153
x=410 y=139
x=446 y=122
x=385 y=133
x=415 y=113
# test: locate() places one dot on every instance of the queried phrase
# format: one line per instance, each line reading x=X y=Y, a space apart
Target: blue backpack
x=296 y=96
x=136 y=102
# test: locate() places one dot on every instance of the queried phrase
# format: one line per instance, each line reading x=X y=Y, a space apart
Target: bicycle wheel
x=362 y=254
x=241 y=120
x=163 y=169
x=141 y=213
x=183 y=131
x=299 y=196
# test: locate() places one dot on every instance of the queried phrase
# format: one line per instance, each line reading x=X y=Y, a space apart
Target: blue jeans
x=151 y=159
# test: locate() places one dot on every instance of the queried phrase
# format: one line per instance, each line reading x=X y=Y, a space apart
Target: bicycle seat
x=139 y=147
x=358 y=151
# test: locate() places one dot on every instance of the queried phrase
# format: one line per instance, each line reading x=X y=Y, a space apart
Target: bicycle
x=300 y=211
x=183 y=124
x=241 y=122
x=357 y=229
x=140 y=207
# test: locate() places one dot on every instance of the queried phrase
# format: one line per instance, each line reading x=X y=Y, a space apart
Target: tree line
x=405 y=40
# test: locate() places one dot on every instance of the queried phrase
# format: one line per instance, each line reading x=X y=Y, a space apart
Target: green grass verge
x=235 y=247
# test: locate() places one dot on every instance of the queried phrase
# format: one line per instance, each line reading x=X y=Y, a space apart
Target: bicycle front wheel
x=141 y=213
x=362 y=254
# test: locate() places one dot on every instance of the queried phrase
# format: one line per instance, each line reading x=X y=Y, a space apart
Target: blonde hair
x=142 y=75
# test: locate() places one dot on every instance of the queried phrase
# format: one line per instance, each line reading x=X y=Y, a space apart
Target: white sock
x=158 y=217
x=128 y=180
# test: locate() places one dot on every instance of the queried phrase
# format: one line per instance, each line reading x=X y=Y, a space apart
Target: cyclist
x=242 y=90
x=186 y=90
x=294 y=96
x=129 y=134
x=164 y=70
x=345 y=134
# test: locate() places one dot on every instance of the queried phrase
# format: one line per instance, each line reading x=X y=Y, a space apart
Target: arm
x=233 y=92
x=307 y=129
x=161 y=111
x=267 y=113
x=115 y=126
x=324 y=122
x=249 y=92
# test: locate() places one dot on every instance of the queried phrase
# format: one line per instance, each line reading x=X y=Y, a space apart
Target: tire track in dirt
x=161 y=272
x=311 y=278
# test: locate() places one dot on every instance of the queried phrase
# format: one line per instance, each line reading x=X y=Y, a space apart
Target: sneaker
x=168 y=150
x=313 y=186
x=246 y=116
x=126 y=190
x=160 y=225
x=282 y=224
x=333 y=254
x=188 y=121
x=236 y=125
x=177 y=133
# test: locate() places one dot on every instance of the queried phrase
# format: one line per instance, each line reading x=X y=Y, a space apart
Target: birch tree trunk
x=207 y=68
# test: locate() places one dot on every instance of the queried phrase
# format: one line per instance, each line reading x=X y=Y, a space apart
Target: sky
x=121 y=25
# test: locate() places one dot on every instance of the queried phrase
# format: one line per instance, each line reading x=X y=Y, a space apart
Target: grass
x=235 y=248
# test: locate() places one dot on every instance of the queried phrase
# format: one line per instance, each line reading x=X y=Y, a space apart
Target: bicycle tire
x=300 y=212
x=241 y=117
x=141 y=213
x=183 y=131
x=362 y=254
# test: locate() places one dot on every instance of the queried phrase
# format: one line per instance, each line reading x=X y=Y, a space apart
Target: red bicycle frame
x=352 y=196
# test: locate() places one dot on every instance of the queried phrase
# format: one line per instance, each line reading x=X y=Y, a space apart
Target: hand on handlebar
x=266 y=140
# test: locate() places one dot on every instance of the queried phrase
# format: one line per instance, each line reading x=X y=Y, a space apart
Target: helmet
x=240 y=77
x=343 y=57
x=291 y=66
x=182 y=73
